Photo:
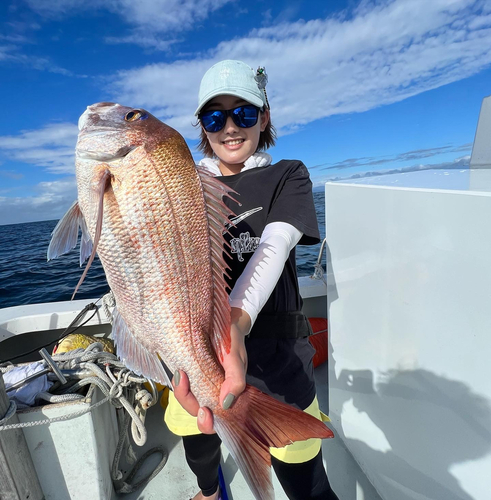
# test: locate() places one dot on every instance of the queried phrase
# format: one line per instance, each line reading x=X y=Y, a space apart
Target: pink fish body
x=157 y=224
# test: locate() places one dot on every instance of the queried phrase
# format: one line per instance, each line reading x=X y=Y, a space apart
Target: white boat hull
x=409 y=287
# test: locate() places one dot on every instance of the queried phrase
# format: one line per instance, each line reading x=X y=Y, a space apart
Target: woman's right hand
x=190 y=403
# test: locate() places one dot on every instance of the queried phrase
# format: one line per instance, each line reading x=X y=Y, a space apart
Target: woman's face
x=233 y=145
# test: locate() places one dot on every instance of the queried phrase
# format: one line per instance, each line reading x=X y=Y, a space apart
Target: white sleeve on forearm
x=256 y=283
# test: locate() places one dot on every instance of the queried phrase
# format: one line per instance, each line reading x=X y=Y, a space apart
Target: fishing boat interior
x=399 y=303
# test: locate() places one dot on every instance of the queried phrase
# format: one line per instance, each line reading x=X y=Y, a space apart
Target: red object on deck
x=319 y=340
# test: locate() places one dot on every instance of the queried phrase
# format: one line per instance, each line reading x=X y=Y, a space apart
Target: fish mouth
x=99 y=134
x=104 y=134
x=108 y=157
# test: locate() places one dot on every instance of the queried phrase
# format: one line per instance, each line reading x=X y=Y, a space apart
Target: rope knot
x=115 y=392
x=145 y=399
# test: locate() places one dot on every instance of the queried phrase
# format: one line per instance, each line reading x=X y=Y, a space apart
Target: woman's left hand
x=235 y=366
x=235 y=362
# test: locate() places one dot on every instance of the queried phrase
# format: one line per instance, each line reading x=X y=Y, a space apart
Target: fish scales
x=156 y=222
x=166 y=249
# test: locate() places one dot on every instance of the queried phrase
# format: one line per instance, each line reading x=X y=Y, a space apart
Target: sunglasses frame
x=230 y=112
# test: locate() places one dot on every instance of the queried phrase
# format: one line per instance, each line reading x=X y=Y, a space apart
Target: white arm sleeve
x=256 y=283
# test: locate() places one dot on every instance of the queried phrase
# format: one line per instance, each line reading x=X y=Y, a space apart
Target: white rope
x=59 y=398
x=120 y=386
x=49 y=420
x=108 y=303
x=318 y=269
x=112 y=385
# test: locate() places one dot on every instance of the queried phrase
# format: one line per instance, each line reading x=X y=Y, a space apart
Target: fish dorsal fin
x=134 y=354
x=65 y=235
x=218 y=218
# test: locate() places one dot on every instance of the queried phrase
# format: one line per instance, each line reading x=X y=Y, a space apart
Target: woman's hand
x=235 y=366
x=187 y=400
x=235 y=362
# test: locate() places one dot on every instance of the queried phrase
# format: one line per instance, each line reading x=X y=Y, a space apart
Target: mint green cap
x=231 y=78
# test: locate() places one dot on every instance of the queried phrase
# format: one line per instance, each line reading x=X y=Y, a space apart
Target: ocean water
x=27 y=278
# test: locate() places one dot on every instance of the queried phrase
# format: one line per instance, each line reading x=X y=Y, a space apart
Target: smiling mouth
x=235 y=142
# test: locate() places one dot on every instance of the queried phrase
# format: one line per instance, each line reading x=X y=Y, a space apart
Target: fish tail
x=257 y=422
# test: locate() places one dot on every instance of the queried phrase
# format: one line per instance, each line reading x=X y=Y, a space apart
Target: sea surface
x=27 y=278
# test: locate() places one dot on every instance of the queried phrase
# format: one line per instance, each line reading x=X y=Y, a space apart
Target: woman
x=270 y=348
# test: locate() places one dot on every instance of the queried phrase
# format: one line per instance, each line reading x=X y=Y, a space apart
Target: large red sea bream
x=156 y=221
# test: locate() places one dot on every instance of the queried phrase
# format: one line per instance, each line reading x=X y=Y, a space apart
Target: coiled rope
x=121 y=387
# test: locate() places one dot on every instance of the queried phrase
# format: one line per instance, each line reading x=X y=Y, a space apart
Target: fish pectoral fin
x=134 y=354
x=65 y=235
x=85 y=242
x=101 y=184
x=257 y=422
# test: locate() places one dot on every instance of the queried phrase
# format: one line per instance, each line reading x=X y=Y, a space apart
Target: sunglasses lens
x=245 y=116
x=213 y=121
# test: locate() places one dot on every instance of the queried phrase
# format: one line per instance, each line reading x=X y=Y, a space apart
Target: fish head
x=116 y=140
x=117 y=149
x=109 y=132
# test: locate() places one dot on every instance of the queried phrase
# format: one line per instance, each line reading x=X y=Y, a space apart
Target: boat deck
x=177 y=482
x=23 y=327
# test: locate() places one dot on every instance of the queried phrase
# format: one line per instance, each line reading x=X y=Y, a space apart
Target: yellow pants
x=180 y=422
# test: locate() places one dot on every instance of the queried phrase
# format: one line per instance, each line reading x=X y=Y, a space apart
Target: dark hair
x=266 y=139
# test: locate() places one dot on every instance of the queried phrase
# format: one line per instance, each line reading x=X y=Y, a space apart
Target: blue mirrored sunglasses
x=243 y=117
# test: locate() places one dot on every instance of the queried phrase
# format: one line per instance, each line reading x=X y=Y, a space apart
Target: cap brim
x=240 y=93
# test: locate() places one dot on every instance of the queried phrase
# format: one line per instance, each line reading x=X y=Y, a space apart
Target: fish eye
x=136 y=114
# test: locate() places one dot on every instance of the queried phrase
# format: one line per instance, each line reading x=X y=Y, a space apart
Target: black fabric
x=290 y=325
x=277 y=193
x=279 y=353
x=203 y=457
x=305 y=481
x=283 y=369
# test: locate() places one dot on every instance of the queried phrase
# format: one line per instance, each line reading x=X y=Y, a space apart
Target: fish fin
x=100 y=186
x=64 y=236
x=257 y=422
x=134 y=355
x=218 y=217
x=85 y=242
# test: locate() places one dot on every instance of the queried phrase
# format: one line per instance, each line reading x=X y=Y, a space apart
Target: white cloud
x=368 y=162
x=12 y=54
x=148 y=18
x=52 y=147
x=14 y=38
x=51 y=203
x=11 y=174
x=385 y=53
x=12 y=50
x=147 y=40
x=461 y=163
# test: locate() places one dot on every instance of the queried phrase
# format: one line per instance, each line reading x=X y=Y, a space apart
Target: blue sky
x=354 y=86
